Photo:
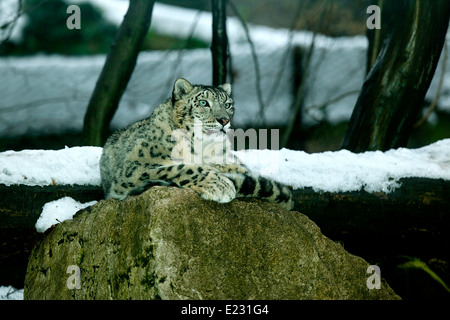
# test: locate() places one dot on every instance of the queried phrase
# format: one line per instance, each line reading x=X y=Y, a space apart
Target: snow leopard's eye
x=227 y=105
x=204 y=103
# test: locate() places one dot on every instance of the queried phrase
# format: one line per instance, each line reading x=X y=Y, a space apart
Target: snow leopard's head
x=210 y=107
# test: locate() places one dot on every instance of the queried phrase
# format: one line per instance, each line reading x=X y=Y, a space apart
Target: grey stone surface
x=168 y=243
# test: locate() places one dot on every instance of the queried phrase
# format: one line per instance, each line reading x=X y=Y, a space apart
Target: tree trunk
x=219 y=46
x=375 y=37
x=394 y=90
x=116 y=72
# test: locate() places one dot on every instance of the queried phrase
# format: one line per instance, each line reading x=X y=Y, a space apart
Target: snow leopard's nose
x=223 y=121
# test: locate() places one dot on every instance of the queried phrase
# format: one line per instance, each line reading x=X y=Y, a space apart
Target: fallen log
x=412 y=220
x=20 y=207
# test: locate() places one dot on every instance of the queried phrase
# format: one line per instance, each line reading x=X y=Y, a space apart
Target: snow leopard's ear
x=226 y=87
x=180 y=88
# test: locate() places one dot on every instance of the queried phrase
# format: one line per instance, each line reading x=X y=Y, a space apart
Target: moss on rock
x=168 y=243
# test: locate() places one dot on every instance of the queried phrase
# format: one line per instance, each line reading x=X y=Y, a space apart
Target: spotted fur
x=184 y=143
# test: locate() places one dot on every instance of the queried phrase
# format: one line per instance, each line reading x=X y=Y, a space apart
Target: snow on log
x=377 y=202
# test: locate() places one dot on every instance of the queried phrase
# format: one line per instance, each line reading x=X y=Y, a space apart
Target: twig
x=301 y=88
x=219 y=45
x=9 y=26
x=20 y=12
x=284 y=59
x=332 y=100
x=34 y=104
x=299 y=96
x=255 y=61
x=179 y=57
x=438 y=92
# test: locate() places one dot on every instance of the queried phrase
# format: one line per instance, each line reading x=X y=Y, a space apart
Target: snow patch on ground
x=11 y=293
x=58 y=211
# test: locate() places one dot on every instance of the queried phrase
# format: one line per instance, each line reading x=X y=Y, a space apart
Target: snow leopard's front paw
x=220 y=189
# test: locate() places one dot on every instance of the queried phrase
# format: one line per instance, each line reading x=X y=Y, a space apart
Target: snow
x=58 y=211
x=113 y=10
x=11 y=293
x=337 y=68
x=69 y=166
x=343 y=171
x=340 y=73
x=41 y=102
x=338 y=171
x=8 y=14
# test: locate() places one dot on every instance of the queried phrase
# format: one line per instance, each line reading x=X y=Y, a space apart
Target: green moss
x=81 y=257
x=420 y=265
x=149 y=280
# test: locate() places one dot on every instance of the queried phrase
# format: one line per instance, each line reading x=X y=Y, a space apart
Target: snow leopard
x=185 y=143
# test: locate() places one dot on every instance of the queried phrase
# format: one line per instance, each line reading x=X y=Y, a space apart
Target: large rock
x=168 y=243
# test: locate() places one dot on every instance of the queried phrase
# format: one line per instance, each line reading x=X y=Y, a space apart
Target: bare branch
x=438 y=92
x=219 y=46
x=116 y=72
x=255 y=62
x=177 y=61
x=394 y=90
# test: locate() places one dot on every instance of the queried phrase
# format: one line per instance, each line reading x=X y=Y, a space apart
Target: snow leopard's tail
x=251 y=186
